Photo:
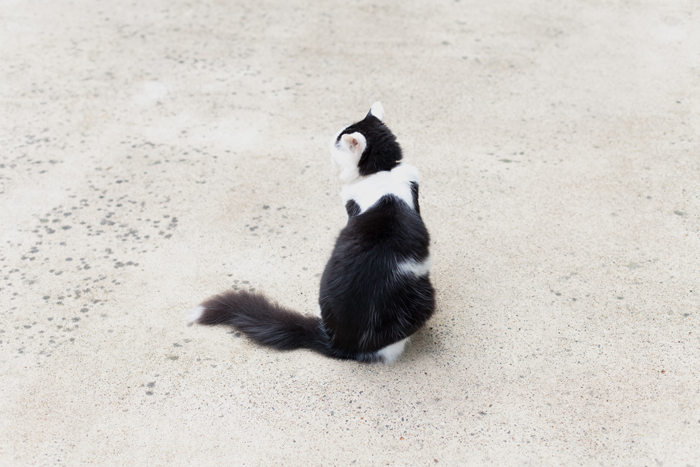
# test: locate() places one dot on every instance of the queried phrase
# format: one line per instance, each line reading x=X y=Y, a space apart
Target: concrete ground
x=157 y=152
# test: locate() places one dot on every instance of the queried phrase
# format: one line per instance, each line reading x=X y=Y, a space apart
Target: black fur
x=352 y=208
x=366 y=301
x=266 y=323
x=382 y=151
x=271 y=325
x=365 y=305
x=414 y=192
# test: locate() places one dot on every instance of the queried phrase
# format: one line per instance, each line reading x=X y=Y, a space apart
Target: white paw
x=392 y=352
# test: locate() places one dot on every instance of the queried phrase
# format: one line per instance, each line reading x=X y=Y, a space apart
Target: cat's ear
x=377 y=110
x=355 y=143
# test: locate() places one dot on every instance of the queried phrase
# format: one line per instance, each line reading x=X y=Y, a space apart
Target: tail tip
x=195 y=313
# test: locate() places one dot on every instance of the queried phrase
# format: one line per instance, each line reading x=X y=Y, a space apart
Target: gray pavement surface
x=153 y=153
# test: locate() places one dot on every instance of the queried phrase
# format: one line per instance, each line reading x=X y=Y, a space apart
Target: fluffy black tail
x=266 y=323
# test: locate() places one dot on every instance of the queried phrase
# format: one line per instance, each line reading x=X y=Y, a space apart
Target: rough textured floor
x=157 y=152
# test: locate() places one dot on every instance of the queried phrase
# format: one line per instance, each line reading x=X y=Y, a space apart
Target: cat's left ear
x=377 y=110
x=356 y=143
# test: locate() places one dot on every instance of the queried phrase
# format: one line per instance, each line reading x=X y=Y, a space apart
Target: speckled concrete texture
x=153 y=153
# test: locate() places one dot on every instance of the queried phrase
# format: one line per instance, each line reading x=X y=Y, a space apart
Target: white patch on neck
x=392 y=352
x=366 y=191
x=417 y=269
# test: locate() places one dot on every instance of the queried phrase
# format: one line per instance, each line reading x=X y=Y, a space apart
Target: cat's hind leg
x=391 y=353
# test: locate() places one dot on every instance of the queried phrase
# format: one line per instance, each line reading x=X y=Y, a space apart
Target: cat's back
x=390 y=230
x=383 y=216
x=376 y=282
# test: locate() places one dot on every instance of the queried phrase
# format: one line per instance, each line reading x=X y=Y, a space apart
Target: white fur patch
x=392 y=352
x=346 y=157
x=377 y=110
x=416 y=268
x=195 y=313
x=318 y=311
x=368 y=190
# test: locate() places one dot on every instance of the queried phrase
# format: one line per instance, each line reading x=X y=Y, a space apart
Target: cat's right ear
x=377 y=110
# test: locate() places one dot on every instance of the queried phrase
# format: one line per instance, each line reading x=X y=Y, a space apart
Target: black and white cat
x=375 y=290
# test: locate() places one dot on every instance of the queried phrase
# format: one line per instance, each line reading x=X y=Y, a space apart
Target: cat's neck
x=367 y=190
x=350 y=175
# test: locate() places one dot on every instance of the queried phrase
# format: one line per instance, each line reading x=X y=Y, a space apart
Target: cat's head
x=365 y=147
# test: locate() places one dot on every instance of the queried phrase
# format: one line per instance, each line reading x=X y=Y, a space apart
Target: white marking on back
x=368 y=190
x=417 y=269
x=392 y=352
x=195 y=313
